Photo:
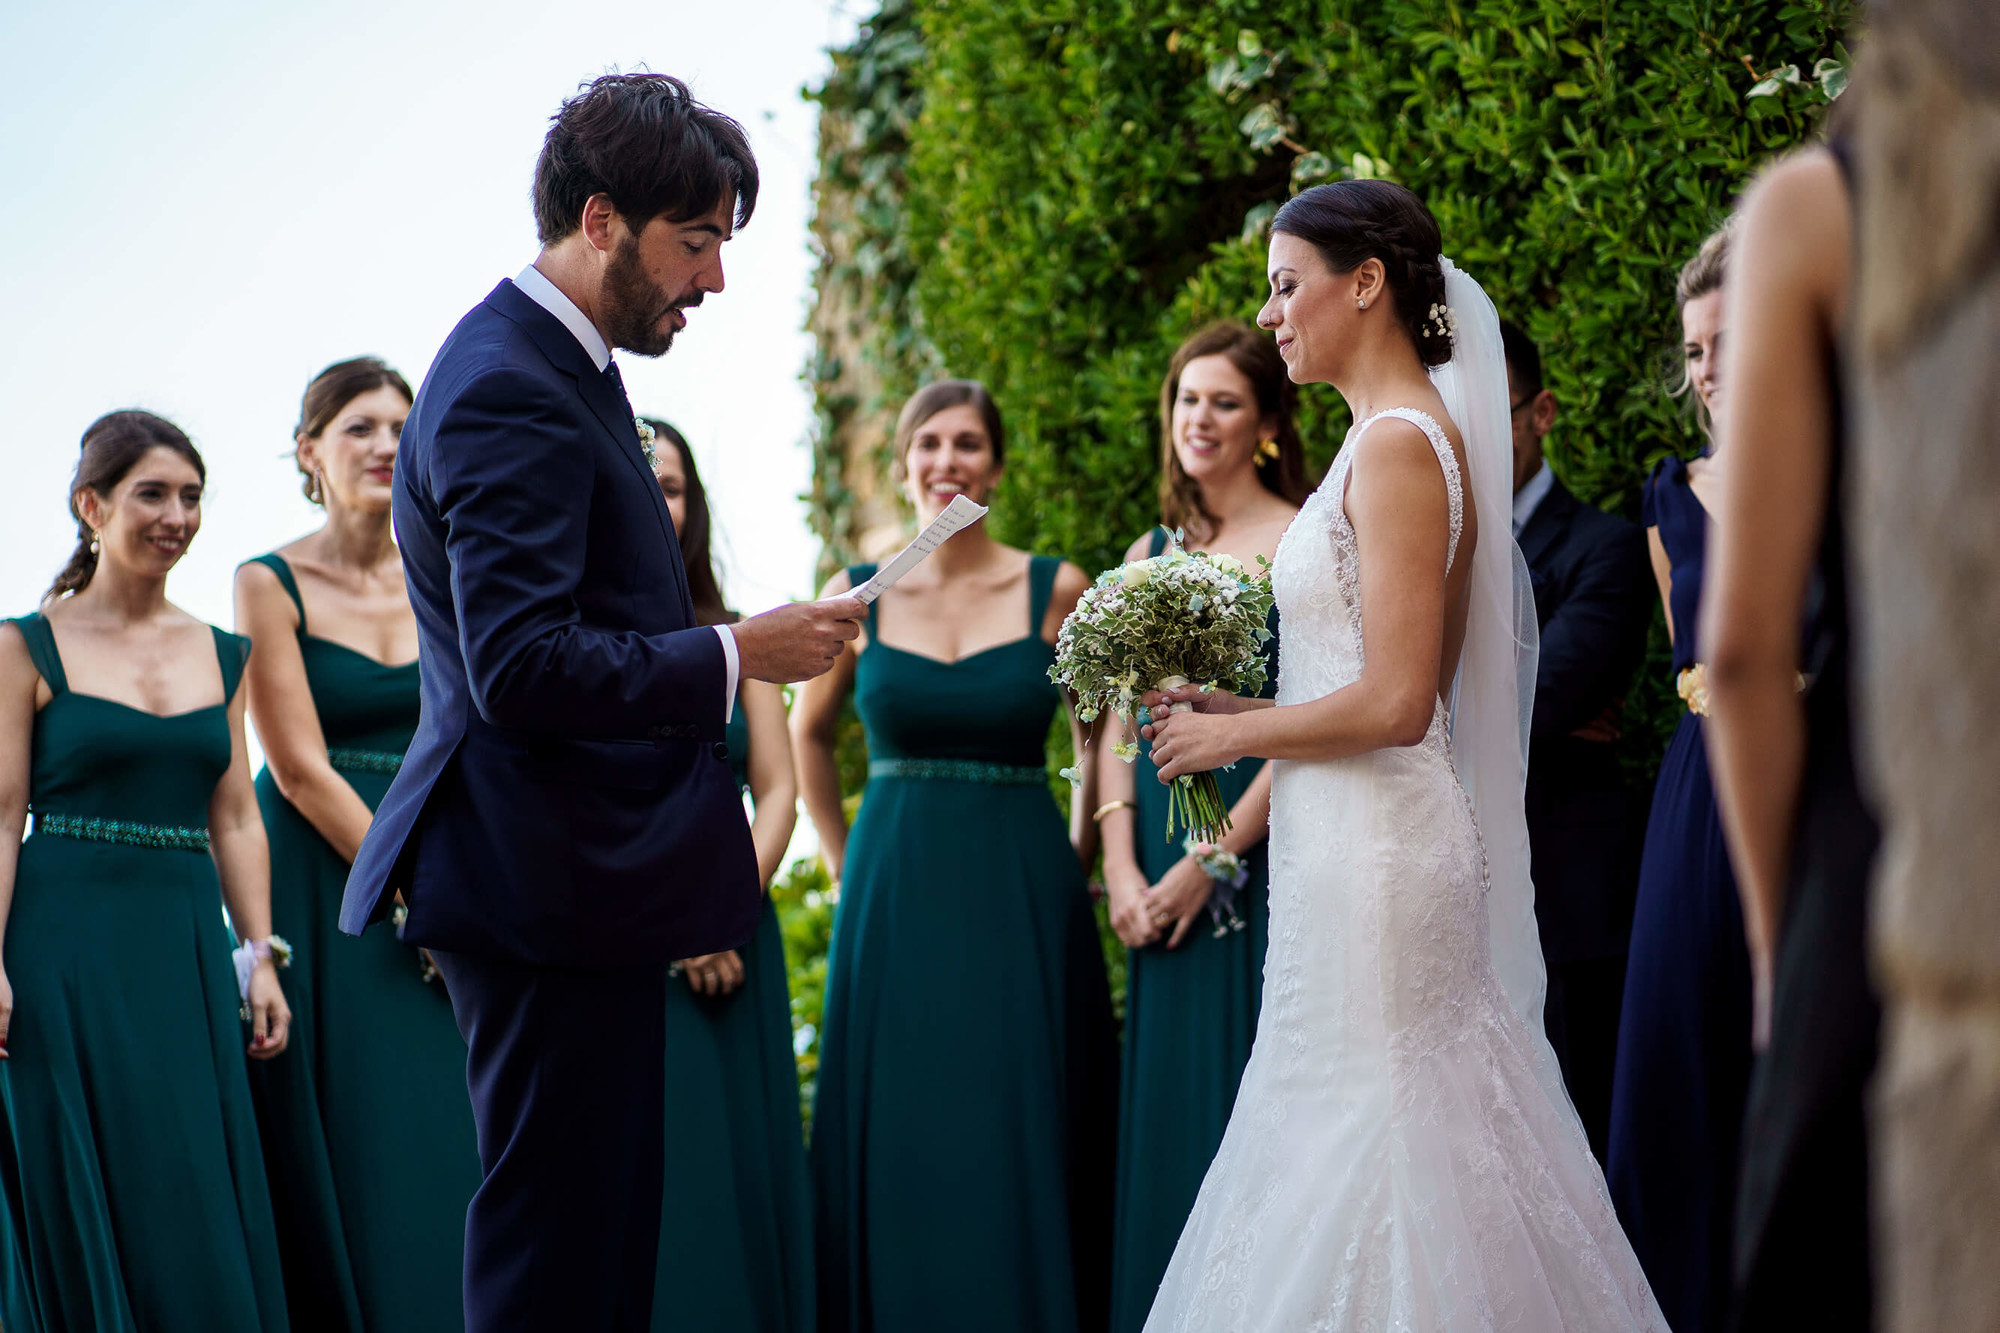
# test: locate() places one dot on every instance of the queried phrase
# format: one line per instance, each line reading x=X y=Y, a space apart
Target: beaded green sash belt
x=365 y=761
x=88 y=828
x=959 y=770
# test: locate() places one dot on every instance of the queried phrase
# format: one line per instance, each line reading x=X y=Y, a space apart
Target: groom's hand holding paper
x=798 y=641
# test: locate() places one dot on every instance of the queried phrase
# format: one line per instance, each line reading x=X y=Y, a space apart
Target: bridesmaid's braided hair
x=112 y=447
x=1350 y=222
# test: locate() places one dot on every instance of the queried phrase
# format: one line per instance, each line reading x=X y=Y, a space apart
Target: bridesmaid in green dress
x=367 y=1130
x=135 y=1190
x=963 y=1127
x=1232 y=475
x=736 y=1226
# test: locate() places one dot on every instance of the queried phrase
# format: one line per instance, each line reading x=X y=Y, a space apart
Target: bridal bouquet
x=1159 y=624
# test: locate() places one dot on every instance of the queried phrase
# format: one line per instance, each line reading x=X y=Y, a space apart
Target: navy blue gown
x=1683 y=1067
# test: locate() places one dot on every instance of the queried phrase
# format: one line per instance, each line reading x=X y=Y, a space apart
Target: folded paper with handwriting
x=960 y=513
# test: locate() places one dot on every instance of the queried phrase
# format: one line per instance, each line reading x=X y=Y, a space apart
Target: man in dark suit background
x=564 y=826
x=1594 y=598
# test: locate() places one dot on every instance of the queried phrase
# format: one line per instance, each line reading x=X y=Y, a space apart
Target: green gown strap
x=278 y=565
x=231 y=651
x=1042 y=571
x=856 y=576
x=42 y=652
x=1158 y=545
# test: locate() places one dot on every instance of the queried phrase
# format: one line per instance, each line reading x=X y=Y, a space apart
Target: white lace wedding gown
x=1401 y=1156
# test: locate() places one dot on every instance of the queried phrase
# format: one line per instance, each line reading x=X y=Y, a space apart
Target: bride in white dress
x=1402 y=1155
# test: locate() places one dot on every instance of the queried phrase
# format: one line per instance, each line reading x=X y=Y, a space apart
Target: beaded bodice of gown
x=1398 y=1157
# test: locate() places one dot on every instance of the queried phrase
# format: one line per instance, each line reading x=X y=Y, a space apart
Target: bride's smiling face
x=1311 y=310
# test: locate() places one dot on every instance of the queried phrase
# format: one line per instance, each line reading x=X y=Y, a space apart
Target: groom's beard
x=633 y=305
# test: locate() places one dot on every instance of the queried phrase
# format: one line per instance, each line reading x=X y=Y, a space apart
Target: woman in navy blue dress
x=1683 y=1065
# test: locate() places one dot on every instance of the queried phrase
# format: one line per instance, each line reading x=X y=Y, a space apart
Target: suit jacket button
x=721 y=750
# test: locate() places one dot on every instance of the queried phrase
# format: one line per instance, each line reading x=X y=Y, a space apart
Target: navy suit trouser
x=567 y=1071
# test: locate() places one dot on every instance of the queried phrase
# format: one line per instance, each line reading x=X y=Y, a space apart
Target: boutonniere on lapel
x=646 y=438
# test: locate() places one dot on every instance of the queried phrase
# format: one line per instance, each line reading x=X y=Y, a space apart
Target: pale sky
x=203 y=204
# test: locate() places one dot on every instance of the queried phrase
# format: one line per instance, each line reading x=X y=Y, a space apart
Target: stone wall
x=1926 y=512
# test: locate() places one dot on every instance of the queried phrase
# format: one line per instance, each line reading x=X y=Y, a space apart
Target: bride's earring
x=96 y=543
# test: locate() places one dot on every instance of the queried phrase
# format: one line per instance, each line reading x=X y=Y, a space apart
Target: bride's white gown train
x=1402 y=1155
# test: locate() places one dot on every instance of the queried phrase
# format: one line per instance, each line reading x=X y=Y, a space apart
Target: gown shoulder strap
x=231 y=652
x=858 y=575
x=1157 y=545
x=42 y=652
x=1454 y=485
x=278 y=565
x=1042 y=571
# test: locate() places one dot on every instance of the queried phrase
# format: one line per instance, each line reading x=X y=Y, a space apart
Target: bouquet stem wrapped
x=1195 y=801
x=1168 y=621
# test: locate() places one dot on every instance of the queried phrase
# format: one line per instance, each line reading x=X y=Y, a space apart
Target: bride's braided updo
x=1352 y=221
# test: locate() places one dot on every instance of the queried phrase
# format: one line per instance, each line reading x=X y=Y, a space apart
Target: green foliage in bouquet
x=1157 y=623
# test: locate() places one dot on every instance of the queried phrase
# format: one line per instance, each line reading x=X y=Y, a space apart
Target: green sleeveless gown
x=135 y=1188
x=963 y=1128
x=367 y=1127
x=1190 y=1015
x=736 y=1221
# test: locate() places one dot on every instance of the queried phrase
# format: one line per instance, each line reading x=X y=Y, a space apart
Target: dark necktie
x=617 y=381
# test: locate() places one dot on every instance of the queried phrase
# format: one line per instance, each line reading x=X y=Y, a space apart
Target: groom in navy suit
x=565 y=824
x=1593 y=599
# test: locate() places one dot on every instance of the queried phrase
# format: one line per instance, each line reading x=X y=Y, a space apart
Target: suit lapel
x=610 y=406
x=606 y=402
x=1547 y=524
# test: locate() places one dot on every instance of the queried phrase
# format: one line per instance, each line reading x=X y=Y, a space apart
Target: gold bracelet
x=1108 y=807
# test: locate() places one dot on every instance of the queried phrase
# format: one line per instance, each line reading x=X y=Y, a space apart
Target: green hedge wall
x=1088 y=180
x=1047 y=195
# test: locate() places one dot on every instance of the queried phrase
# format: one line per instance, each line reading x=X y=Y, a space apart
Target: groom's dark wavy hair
x=644 y=142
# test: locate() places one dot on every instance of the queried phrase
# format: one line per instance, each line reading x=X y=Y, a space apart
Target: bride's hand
x=1178 y=899
x=1197 y=697
x=1191 y=743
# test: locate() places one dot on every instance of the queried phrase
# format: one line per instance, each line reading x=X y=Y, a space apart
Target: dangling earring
x=1267 y=452
x=96 y=543
x=318 y=493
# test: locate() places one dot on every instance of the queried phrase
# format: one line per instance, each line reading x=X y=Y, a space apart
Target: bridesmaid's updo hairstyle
x=334 y=388
x=112 y=447
x=1349 y=222
x=932 y=399
x=1256 y=357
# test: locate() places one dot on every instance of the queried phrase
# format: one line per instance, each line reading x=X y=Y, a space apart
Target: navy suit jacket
x=564 y=802
x=1594 y=596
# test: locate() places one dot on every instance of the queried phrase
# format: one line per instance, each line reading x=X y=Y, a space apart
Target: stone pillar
x=1925 y=512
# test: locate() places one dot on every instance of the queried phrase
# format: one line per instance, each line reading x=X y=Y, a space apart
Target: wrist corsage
x=1226 y=868
x=248 y=954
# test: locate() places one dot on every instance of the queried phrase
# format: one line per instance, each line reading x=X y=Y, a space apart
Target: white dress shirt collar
x=1529 y=498
x=537 y=288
